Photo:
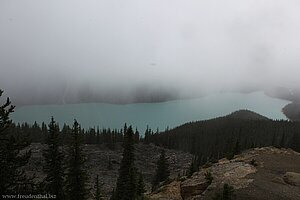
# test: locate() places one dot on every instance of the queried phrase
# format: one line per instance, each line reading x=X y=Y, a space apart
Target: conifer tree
x=76 y=187
x=98 y=194
x=274 y=140
x=113 y=195
x=194 y=166
x=140 y=187
x=66 y=132
x=44 y=133
x=227 y=194
x=12 y=177
x=146 y=137
x=54 y=162
x=137 y=136
x=162 y=170
x=5 y=110
x=109 y=164
x=282 y=141
x=237 y=148
x=127 y=183
x=295 y=142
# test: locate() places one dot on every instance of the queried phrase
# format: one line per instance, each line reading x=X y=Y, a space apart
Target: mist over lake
x=155 y=115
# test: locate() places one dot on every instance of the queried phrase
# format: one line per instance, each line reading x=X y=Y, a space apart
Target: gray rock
x=292 y=178
x=194 y=186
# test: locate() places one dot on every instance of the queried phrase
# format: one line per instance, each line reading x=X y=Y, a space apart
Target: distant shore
x=292 y=111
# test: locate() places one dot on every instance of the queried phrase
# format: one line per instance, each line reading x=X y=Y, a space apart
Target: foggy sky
x=56 y=51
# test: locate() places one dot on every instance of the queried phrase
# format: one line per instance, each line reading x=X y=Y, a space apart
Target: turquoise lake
x=156 y=115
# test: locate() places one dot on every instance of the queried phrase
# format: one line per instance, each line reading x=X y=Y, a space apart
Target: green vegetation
x=126 y=183
x=227 y=194
x=194 y=166
x=295 y=142
x=98 y=195
x=162 y=171
x=208 y=177
x=130 y=185
x=140 y=187
x=13 y=179
x=76 y=179
x=224 y=136
x=228 y=136
x=54 y=181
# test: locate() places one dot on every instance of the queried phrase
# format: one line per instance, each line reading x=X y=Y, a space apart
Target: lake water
x=156 y=115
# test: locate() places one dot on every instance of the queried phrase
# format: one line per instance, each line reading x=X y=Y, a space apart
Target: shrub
x=227 y=194
x=208 y=177
x=253 y=162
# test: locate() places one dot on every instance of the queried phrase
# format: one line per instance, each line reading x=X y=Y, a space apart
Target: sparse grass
x=208 y=177
x=230 y=156
x=207 y=165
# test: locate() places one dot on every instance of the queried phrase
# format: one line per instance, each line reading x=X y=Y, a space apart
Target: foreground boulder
x=292 y=178
x=168 y=192
x=256 y=174
x=194 y=186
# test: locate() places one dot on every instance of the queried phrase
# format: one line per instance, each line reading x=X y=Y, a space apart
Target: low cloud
x=123 y=51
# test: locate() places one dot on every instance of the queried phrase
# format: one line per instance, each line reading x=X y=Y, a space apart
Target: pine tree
x=140 y=187
x=237 y=148
x=113 y=195
x=44 y=130
x=295 y=142
x=274 y=140
x=12 y=177
x=194 y=166
x=109 y=164
x=227 y=194
x=162 y=170
x=282 y=141
x=127 y=183
x=66 y=133
x=54 y=162
x=137 y=136
x=98 y=194
x=146 y=137
x=5 y=110
x=76 y=174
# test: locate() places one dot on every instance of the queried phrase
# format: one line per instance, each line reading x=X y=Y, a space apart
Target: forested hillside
x=226 y=136
x=210 y=139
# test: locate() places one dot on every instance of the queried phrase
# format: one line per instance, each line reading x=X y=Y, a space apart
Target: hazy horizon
x=78 y=51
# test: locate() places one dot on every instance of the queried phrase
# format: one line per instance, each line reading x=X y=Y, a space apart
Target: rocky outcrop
x=168 y=192
x=255 y=174
x=292 y=178
x=194 y=186
x=233 y=173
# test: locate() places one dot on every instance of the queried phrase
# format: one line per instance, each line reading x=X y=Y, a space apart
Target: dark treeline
x=226 y=136
x=110 y=137
x=38 y=134
x=214 y=138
